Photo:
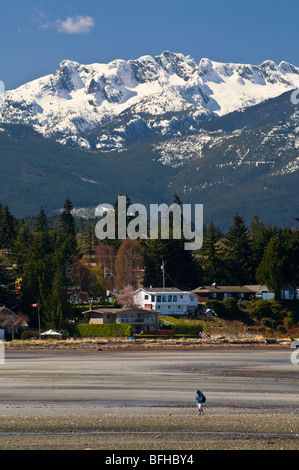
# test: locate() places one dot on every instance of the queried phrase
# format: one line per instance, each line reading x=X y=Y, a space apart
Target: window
x=153 y=298
x=175 y=298
x=164 y=298
x=213 y=295
x=158 y=298
x=170 y=298
x=146 y=296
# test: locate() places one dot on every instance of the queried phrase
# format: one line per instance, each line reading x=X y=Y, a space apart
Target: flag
x=34 y=305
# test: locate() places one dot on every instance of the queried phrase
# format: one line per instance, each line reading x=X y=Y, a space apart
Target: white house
x=167 y=301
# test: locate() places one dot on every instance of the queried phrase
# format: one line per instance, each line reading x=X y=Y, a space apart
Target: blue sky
x=37 y=35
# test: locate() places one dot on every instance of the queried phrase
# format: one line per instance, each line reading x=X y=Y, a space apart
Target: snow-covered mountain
x=245 y=161
x=109 y=106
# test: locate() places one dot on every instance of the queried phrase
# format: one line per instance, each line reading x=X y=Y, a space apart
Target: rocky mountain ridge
x=111 y=106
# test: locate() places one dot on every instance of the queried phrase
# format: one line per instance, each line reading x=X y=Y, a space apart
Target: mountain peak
x=78 y=99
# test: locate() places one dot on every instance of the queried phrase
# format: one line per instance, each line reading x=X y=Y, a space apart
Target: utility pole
x=163 y=272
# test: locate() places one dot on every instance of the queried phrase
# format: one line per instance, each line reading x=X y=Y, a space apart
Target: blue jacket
x=199 y=396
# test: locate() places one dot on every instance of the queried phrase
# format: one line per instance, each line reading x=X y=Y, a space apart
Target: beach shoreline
x=136 y=399
x=91 y=344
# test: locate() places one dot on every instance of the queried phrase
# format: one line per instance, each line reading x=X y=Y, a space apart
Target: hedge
x=107 y=330
x=191 y=327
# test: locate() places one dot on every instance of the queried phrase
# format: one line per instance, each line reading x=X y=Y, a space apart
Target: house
x=289 y=293
x=214 y=292
x=11 y=322
x=138 y=318
x=167 y=300
x=261 y=292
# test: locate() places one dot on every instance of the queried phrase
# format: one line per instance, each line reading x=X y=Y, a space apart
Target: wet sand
x=128 y=400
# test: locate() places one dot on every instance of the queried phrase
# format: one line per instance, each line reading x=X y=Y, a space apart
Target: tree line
x=50 y=258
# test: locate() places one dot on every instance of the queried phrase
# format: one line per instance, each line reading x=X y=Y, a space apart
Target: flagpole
x=38 y=321
x=38 y=316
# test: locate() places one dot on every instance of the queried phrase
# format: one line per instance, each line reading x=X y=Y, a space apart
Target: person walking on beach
x=200 y=399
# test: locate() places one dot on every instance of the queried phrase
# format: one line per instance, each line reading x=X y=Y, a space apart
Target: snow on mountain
x=152 y=92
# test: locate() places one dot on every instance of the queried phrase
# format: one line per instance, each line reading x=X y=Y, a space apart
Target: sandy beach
x=145 y=400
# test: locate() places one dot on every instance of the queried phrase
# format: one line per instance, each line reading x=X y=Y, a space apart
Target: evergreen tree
x=212 y=263
x=38 y=273
x=259 y=236
x=237 y=254
x=117 y=242
x=87 y=242
x=5 y=282
x=181 y=267
x=8 y=226
x=270 y=271
x=56 y=306
x=42 y=245
x=291 y=257
x=67 y=240
x=22 y=246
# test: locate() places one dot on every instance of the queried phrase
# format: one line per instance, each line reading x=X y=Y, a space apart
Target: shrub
x=227 y=308
x=28 y=334
x=292 y=317
x=268 y=309
x=269 y=322
x=281 y=329
x=217 y=306
x=263 y=308
x=231 y=307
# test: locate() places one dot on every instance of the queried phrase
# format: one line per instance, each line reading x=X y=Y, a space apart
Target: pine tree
x=237 y=253
x=22 y=246
x=181 y=267
x=38 y=273
x=42 y=245
x=87 y=243
x=259 y=236
x=291 y=257
x=270 y=271
x=212 y=263
x=8 y=226
x=67 y=240
x=56 y=306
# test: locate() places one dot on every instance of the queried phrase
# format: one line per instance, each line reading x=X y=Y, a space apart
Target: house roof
x=222 y=289
x=115 y=311
x=6 y=315
x=257 y=288
x=161 y=290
